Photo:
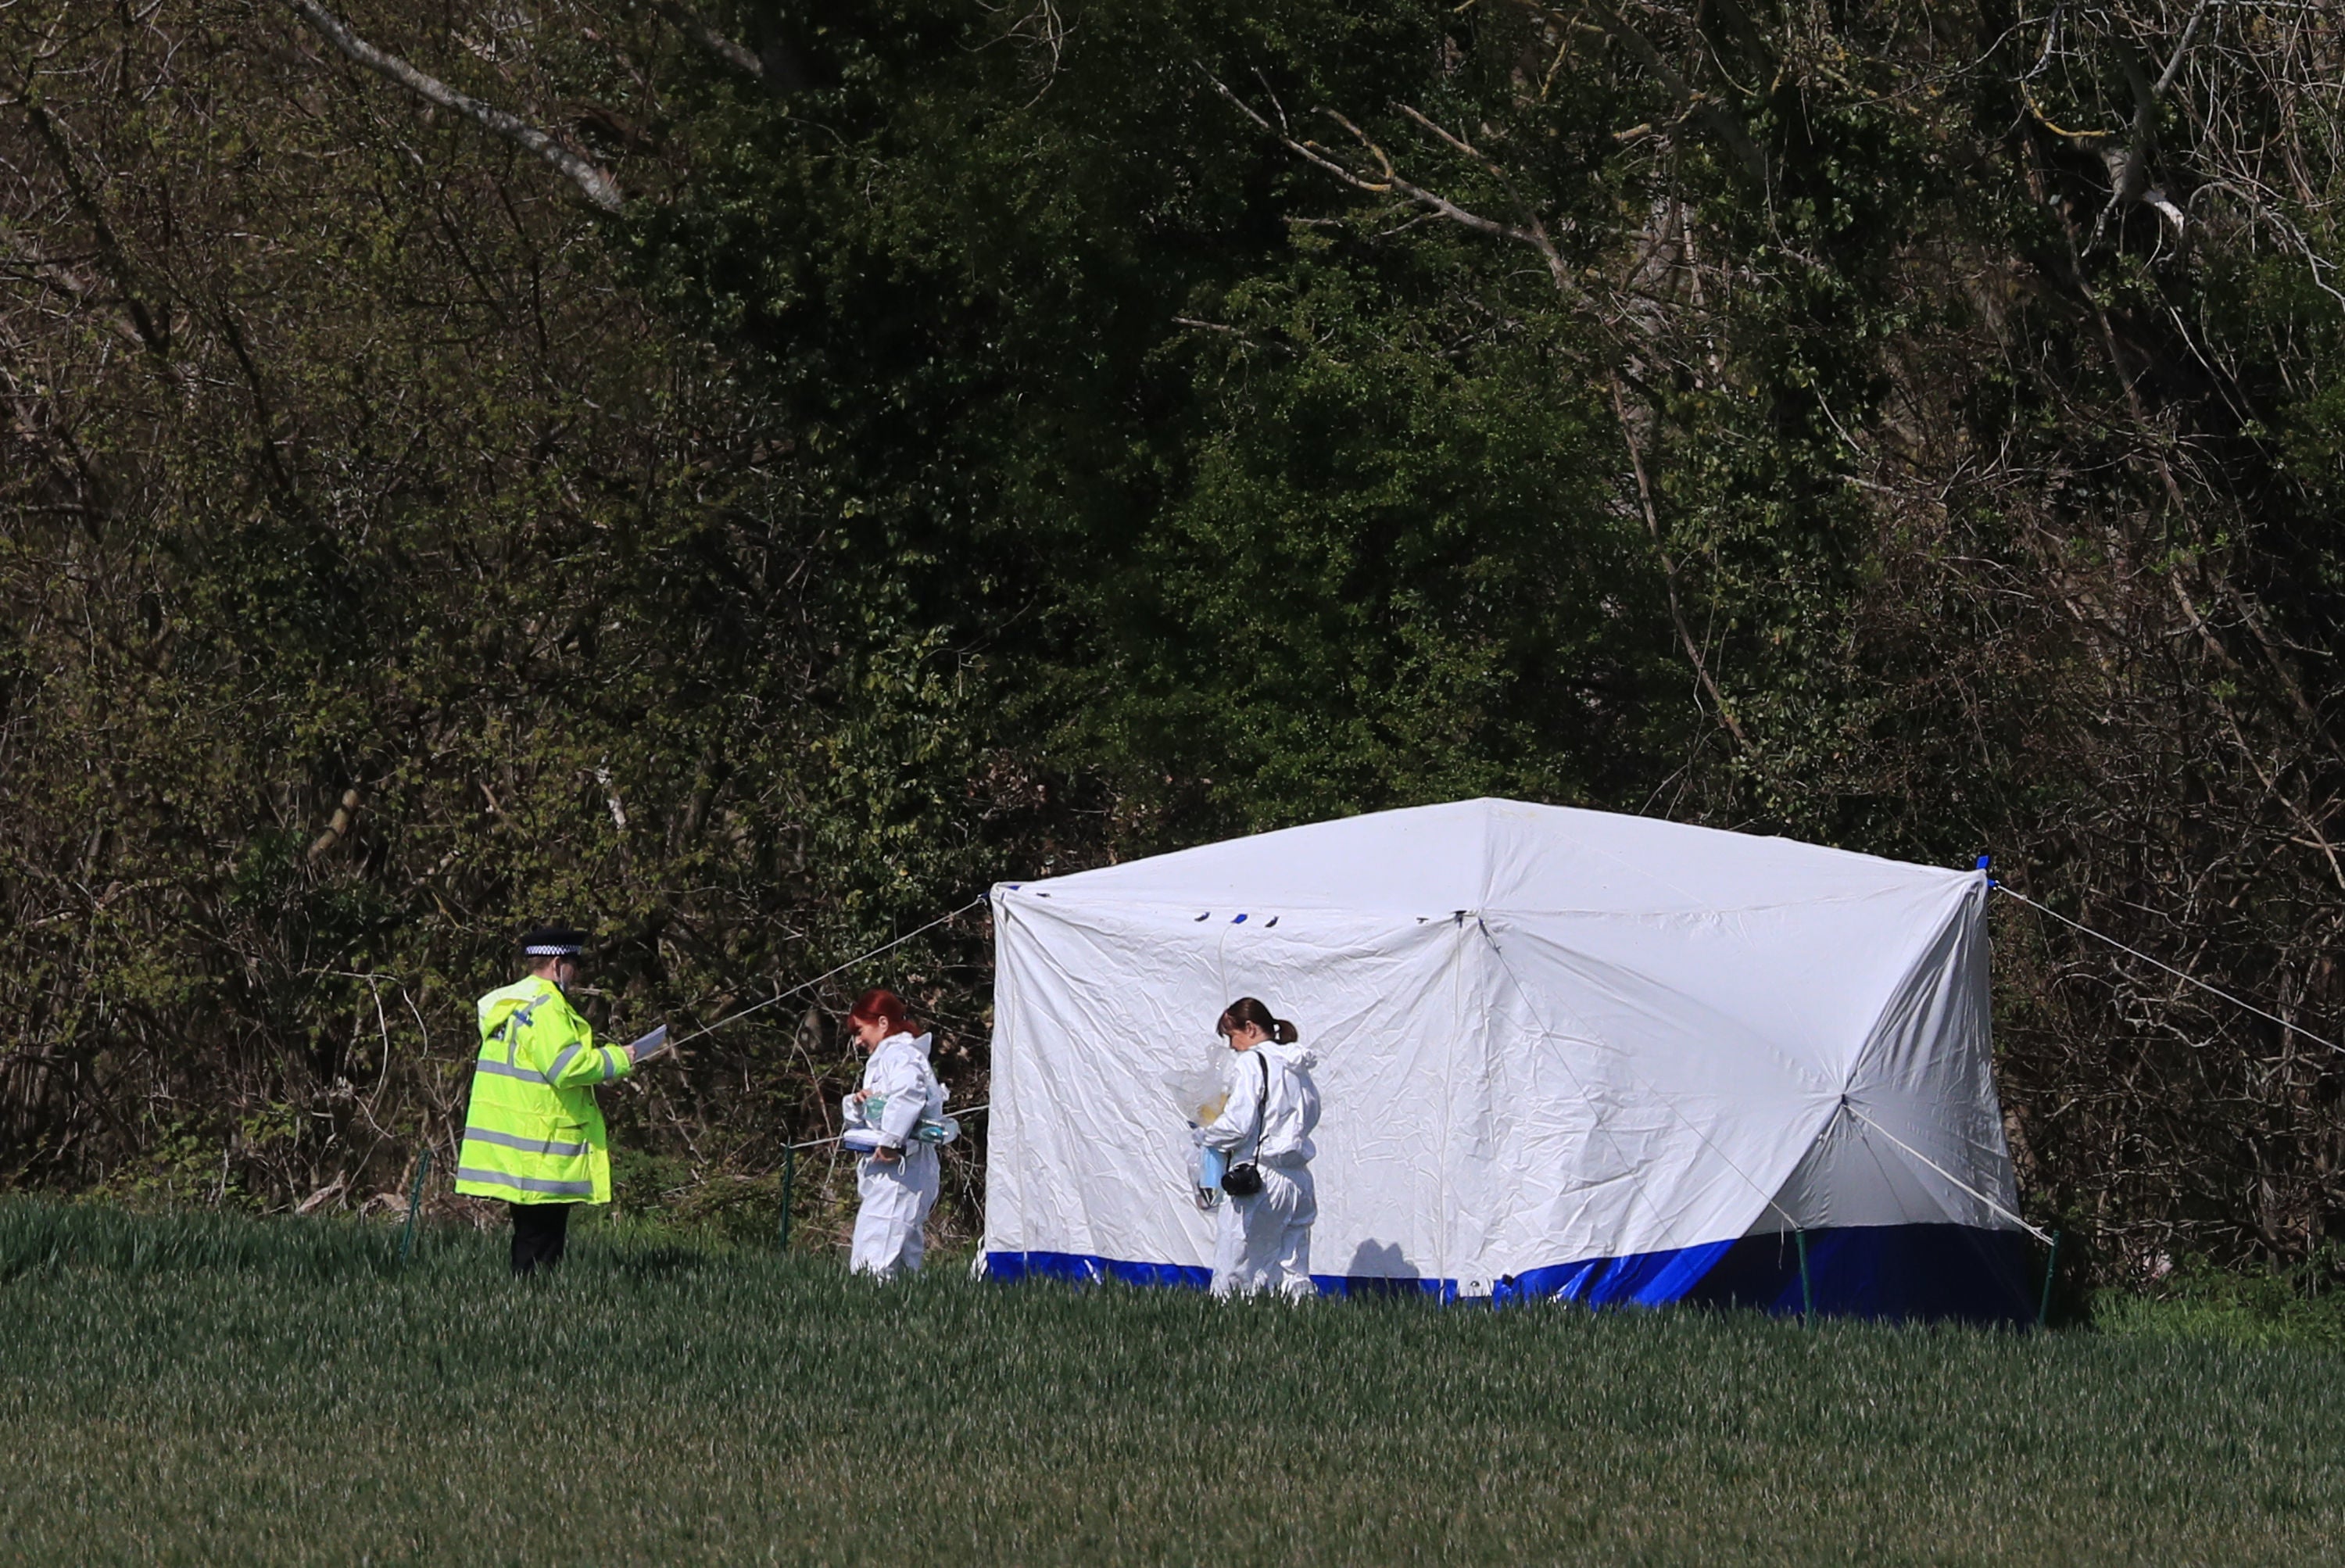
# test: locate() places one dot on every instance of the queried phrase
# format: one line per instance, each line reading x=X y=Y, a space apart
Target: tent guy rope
x=2183 y=975
x=2043 y=1235
x=806 y=985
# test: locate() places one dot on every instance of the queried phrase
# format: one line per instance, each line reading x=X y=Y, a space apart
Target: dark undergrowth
x=2300 y=1305
x=201 y=1388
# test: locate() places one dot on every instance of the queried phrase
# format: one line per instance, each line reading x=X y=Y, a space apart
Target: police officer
x=534 y=1135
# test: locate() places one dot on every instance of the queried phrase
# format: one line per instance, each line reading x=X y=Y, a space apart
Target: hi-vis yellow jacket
x=533 y=1133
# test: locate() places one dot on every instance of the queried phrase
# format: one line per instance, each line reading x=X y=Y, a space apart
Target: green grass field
x=208 y=1390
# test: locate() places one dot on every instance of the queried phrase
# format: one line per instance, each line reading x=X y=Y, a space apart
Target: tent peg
x=414 y=1206
x=2051 y=1272
x=1807 y=1291
x=790 y=1180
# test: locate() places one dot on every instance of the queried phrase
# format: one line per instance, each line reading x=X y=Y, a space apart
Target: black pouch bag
x=1245 y=1180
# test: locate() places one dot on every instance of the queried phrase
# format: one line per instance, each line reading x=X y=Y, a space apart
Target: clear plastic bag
x=1200 y=1091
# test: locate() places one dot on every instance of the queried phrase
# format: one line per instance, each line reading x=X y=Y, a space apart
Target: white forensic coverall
x=1264 y=1241
x=897 y=1194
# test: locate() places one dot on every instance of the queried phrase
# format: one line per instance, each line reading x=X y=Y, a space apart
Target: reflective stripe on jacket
x=534 y=1132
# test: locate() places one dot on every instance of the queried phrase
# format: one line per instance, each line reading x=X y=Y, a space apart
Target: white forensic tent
x=1561 y=1053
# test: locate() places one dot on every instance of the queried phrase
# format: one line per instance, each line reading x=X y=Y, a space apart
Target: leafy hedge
x=986 y=443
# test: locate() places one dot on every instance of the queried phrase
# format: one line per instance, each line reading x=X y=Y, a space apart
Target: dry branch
x=1669 y=572
x=339 y=825
x=1388 y=181
x=593 y=180
x=700 y=31
x=1692 y=104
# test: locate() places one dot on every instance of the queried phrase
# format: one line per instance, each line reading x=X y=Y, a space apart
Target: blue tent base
x=1908 y=1273
x=1088 y=1270
x=1922 y=1273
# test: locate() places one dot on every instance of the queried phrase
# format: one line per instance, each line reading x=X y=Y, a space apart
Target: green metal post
x=2051 y=1272
x=1807 y=1292
x=789 y=1181
x=414 y=1207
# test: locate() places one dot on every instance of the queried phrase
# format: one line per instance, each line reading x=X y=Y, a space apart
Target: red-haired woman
x=897 y=1180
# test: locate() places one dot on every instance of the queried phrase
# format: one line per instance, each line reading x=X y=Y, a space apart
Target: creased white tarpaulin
x=1546 y=1036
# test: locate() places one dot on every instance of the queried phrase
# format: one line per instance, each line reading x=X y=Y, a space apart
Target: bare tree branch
x=153 y=329
x=592 y=180
x=2129 y=172
x=700 y=31
x=1694 y=104
x=2174 y=66
x=1669 y=572
x=1386 y=181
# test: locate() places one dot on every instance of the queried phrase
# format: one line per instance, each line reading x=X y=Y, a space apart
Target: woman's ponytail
x=1246 y=1010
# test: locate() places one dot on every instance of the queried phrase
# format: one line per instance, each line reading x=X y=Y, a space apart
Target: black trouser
x=540 y=1231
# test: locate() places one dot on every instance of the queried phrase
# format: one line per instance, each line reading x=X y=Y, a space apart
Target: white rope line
x=817 y=1143
x=731 y=1018
x=1548 y=1033
x=2179 y=974
x=2043 y=1235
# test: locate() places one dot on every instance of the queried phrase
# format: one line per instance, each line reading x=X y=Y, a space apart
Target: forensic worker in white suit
x=897 y=1178
x=1264 y=1129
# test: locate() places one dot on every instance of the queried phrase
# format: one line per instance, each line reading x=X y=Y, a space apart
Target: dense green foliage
x=985 y=443
x=184 y=1390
